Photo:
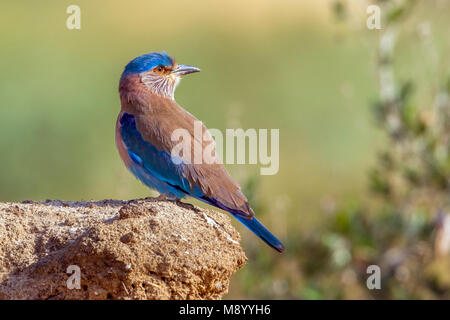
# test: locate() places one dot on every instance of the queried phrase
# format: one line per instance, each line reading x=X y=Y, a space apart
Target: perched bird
x=144 y=128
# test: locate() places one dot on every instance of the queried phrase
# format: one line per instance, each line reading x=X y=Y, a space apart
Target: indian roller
x=144 y=127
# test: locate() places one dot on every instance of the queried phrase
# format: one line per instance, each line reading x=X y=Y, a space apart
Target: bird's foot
x=161 y=197
x=177 y=201
x=164 y=197
x=189 y=206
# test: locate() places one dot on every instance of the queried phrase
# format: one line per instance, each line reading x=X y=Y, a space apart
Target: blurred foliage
x=404 y=228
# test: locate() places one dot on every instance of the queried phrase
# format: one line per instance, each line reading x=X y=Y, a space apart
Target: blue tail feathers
x=261 y=231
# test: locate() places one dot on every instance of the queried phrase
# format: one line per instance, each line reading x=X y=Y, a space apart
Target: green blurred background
x=305 y=67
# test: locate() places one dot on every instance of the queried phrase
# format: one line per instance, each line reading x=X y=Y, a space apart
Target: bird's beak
x=183 y=69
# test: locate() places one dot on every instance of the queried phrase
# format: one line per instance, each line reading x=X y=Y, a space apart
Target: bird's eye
x=159 y=69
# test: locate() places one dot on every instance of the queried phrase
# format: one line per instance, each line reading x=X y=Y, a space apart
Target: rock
x=140 y=249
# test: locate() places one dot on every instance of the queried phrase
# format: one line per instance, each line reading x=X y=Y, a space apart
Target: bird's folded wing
x=148 y=135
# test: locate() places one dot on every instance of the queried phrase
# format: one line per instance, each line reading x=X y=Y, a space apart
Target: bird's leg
x=177 y=201
x=161 y=197
x=186 y=205
x=171 y=198
x=166 y=197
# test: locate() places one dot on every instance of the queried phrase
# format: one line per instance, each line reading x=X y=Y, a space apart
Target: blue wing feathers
x=158 y=163
x=156 y=169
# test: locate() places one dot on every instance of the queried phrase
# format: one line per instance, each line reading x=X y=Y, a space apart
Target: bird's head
x=159 y=72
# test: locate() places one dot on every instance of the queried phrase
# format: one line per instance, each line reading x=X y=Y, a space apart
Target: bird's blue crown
x=149 y=61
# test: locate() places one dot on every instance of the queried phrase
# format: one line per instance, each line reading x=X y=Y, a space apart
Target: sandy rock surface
x=139 y=249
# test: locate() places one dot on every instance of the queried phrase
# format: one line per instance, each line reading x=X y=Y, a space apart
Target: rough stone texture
x=140 y=249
